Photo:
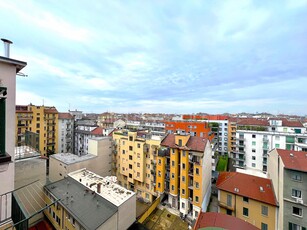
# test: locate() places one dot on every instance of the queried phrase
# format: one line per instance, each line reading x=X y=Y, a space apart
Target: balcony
x=265 y=147
x=191 y=186
x=224 y=205
x=265 y=139
x=240 y=144
x=265 y=162
x=241 y=138
x=114 y=151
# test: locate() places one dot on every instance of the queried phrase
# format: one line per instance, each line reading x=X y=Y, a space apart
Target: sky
x=160 y=56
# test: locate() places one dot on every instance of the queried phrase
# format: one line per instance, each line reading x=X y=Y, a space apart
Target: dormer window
x=180 y=142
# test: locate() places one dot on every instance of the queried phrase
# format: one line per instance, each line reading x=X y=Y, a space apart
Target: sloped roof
x=65 y=116
x=248 y=186
x=295 y=160
x=223 y=221
x=194 y=143
x=97 y=131
x=50 y=110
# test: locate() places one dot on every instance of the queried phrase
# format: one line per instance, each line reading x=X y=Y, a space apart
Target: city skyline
x=213 y=57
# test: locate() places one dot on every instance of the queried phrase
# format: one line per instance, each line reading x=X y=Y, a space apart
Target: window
x=245 y=199
x=197 y=171
x=130 y=166
x=37 y=125
x=296 y=176
x=159 y=185
x=173 y=151
x=130 y=175
x=180 y=142
x=182 y=205
x=295 y=227
x=159 y=173
x=229 y=200
x=183 y=153
x=173 y=175
x=197 y=185
x=297 y=211
x=130 y=138
x=183 y=166
x=264 y=226
x=139 y=145
x=138 y=165
x=296 y=193
x=183 y=178
x=159 y=162
x=253 y=157
x=173 y=187
x=130 y=157
x=183 y=192
x=138 y=174
x=196 y=199
x=253 y=143
x=245 y=211
x=253 y=165
x=254 y=136
x=196 y=214
x=264 y=210
x=173 y=163
x=130 y=148
x=124 y=151
x=276 y=145
x=253 y=150
x=123 y=142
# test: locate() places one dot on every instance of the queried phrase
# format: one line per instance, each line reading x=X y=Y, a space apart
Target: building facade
x=39 y=120
x=8 y=70
x=288 y=171
x=249 y=198
x=255 y=138
x=135 y=161
x=183 y=173
x=65 y=133
x=82 y=133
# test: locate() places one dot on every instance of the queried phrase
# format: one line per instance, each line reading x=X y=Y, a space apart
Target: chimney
x=98 y=187
x=6 y=47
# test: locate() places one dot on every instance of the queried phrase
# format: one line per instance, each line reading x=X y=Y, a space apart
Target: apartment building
x=85 y=200
x=288 y=171
x=65 y=133
x=84 y=130
x=40 y=122
x=8 y=69
x=135 y=162
x=106 y=120
x=255 y=138
x=183 y=173
x=249 y=198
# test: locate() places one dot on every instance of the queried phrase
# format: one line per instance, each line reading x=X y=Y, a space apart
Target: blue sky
x=161 y=56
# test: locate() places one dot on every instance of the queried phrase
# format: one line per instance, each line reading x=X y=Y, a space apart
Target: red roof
x=50 y=110
x=65 y=116
x=252 y=121
x=296 y=160
x=214 y=219
x=97 y=131
x=194 y=143
x=253 y=187
x=293 y=123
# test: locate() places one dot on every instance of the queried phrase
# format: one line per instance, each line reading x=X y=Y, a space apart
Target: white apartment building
x=8 y=70
x=255 y=138
x=222 y=136
x=65 y=133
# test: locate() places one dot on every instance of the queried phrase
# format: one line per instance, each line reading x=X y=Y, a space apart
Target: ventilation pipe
x=6 y=47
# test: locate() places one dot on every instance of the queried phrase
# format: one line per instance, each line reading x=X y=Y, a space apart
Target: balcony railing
x=265 y=147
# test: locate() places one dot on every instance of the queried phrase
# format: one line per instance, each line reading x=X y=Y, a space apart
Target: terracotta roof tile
x=50 y=110
x=65 y=116
x=248 y=186
x=296 y=160
x=97 y=131
x=194 y=143
x=213 y=219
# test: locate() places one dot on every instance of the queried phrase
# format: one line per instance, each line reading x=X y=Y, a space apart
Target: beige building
x=249 y=198
x=8 y=70
x=134 y=162
x=98 y=160
x=84 y=200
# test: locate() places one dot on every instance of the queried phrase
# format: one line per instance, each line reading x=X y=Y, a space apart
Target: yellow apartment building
x=38 y=126
x=183 y=173
x=249 y=198
x=134 y=162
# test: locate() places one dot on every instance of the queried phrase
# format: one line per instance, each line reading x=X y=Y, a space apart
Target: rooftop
x=295 y=160
x=197 y=144
x=86 y=207
x=65 y=116
x=106 y=187
x=253 y=187
x=207 y=220
x=69 y=158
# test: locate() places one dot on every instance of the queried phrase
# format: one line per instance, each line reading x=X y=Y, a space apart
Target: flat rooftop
x=109 y=189
x=86 y=207
x=69 y=158
x=24 y=151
